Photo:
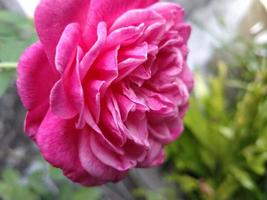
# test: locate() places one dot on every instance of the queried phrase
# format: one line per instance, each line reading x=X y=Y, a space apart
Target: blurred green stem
x=8 y=65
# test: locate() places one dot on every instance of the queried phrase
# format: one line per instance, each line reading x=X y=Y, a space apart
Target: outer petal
x=34 y=85
x=155 y=155
x=58 y=141
x=51 y=18
x=187 y=76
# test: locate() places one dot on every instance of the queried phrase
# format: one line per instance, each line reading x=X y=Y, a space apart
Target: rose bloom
x=106 y=86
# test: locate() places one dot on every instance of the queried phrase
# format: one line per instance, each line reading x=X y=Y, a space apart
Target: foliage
x=16 y=33
x=223 y=152
x=43 y=183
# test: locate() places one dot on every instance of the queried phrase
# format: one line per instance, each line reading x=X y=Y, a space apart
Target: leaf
x=243 y=177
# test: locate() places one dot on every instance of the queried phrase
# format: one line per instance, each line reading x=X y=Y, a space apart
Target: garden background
x=222 y=153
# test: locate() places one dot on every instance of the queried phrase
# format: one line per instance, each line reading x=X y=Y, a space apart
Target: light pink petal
x=155 y=32
x=125 y=106
x=106 y=68
x=136 y=124
x=108 y=11
x=91 y=163
x=51 y=18
x=92 y=96
x=124 y=36
x=130 y=59
x=111 y=123
x=185 y=32
x=67 y=46
x=154 y=156
x=131 y=95
x=168 y=130
x=172 y=12
x=58 y=141
x=110 y=158
x=136 y=17
x=187 y=76
x=66 y=98
x=156 y=101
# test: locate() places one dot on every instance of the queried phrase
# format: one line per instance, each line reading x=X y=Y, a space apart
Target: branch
x=8 y=65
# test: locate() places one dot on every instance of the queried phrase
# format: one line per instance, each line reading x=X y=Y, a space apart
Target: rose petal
x=92 y=165
x=108 y=11
x=110 y=158
x=66 y=98
x=92 y=54
x=34 y=85
x=51 y=18
x=66 y=48
x=58 y=141
x=136 y=17
x=154 y=156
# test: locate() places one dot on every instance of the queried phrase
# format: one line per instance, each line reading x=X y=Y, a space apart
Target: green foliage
x=43 y=184
x=223 y=152
x=16 y=33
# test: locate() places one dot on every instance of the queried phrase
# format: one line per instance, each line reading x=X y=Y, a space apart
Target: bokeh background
x=222 y=154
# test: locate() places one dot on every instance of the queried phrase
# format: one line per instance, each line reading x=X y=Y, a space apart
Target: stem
x=8 y=65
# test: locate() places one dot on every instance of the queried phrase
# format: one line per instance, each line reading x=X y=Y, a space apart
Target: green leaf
x=243 y=177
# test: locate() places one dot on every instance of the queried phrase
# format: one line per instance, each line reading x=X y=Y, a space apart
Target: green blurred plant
x=222 y=154
x=16 y=33
x=45 y=183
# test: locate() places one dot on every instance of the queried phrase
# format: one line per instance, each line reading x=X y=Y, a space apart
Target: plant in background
x=43 y=183
x=16 y=32
x=223 y=152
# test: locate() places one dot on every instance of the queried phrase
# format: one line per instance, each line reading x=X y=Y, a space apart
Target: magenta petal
x=51 y=18
x=34 y=119
x=58 y=141
x=66 y=48
x=92 y=54
x=33 y=83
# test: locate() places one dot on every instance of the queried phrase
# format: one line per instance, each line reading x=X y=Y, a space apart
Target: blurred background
x=222 y=154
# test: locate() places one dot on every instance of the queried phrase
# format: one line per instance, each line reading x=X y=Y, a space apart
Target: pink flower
x=107 y=85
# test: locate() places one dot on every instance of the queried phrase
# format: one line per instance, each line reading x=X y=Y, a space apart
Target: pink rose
x=107 y=85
